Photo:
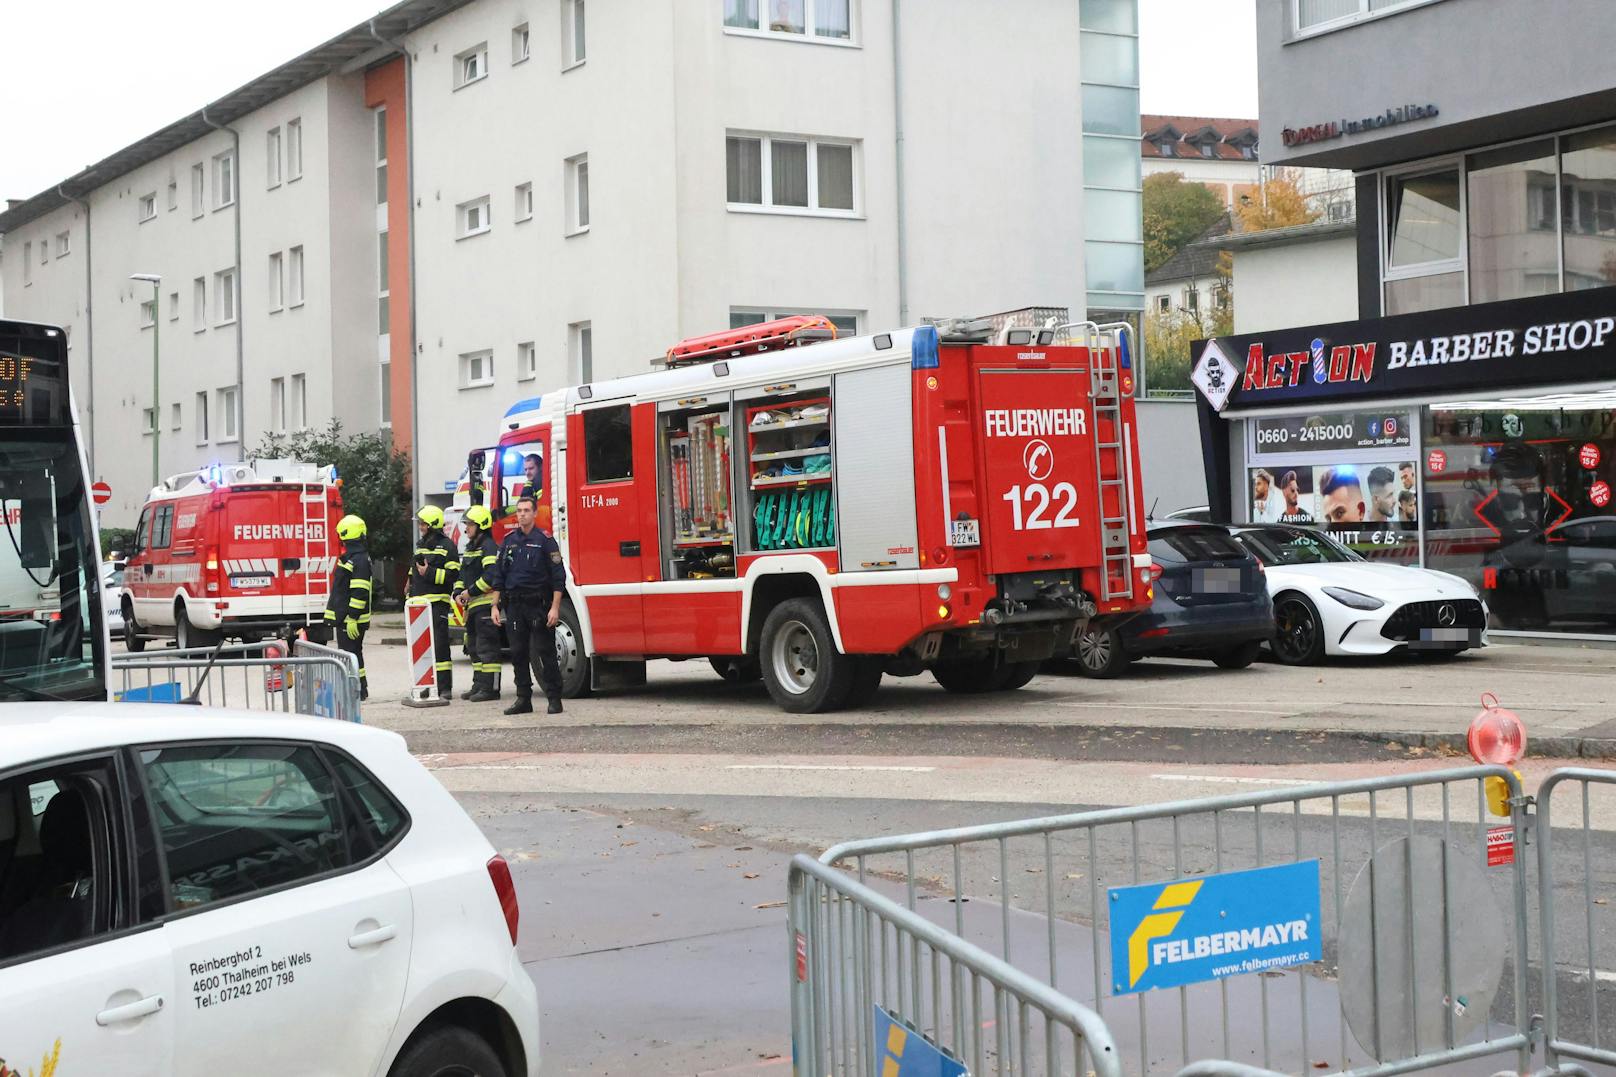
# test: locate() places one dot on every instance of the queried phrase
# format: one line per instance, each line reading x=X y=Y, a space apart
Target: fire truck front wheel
x=804 y=671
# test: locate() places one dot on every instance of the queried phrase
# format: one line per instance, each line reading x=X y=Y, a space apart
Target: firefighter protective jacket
x=442 y=567
x=350 y=586
x=477 y=570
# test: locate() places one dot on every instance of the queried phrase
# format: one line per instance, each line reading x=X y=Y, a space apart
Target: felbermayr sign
x=1324 y=132
x=1545 y=340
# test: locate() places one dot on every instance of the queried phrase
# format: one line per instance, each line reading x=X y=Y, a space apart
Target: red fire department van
x=239 y=550
x=957 y=501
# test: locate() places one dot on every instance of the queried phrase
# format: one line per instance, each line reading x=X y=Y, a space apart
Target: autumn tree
x=1279 y=204
x=1169 y=334
x=1176 y=211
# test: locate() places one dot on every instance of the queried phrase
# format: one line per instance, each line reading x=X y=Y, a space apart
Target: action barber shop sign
x=1545 y=340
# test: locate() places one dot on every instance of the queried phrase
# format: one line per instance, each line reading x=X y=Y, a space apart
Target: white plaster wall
x=1296 y=284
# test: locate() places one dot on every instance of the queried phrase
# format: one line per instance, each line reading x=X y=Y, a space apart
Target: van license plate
x=247 y=583
x=964 y=533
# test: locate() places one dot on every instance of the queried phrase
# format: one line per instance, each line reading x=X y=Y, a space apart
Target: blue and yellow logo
x=900 y=1051
x=1192 y=930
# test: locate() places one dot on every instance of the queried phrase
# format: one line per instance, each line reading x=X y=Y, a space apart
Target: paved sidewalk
x=1565 y=693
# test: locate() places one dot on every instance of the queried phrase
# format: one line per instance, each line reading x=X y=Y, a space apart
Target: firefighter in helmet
x=475 y=595
x=347 y=610
x=432 y=577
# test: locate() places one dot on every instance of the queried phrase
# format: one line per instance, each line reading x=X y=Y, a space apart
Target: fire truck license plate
x=964 y=533
x=247 y=583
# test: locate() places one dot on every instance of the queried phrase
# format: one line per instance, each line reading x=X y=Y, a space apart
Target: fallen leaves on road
x=1074 y=874
x=750 y=875
x=770 y=905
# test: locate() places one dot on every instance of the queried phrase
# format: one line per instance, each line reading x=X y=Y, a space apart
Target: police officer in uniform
x=435 y=568
x=529 y=581
x=475 y=594
x=347 y=610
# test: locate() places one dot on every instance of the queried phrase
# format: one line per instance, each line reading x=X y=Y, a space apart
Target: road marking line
x=1225 y=779
x=825 y=766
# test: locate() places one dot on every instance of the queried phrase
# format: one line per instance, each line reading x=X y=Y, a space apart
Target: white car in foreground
x=201 y=892
x=1328 y=600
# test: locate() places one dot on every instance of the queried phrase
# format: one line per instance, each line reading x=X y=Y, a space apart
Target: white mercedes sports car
x=1328 y=600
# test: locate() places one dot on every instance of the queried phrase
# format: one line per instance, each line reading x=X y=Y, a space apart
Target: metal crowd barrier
x=1411 y=919
x=314 y=680
x=856 y=950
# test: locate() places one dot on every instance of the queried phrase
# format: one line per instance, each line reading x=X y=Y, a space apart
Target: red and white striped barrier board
x=418 y=642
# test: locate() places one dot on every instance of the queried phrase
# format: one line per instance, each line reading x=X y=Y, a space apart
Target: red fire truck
x=241 y=550
x=957 y=499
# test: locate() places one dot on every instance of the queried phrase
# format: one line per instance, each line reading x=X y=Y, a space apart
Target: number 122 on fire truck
x=821 y=516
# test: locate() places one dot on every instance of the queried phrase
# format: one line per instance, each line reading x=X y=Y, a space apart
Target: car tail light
x=499 y=872
x=211 y=565
x=1155 y=571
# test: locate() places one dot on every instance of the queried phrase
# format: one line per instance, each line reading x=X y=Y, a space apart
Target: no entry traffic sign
x=101 y=492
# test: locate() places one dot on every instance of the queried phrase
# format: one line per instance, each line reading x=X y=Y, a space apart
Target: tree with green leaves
x=1168 y=337
x=375 y=480
x=1176 y=211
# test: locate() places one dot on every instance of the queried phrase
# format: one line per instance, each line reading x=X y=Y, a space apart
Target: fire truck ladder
x=317 y=557
x=1112 y=456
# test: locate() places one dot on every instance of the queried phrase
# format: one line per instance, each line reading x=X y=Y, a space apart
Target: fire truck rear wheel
x=570 y=655
x=187 y=635
x=967 y=676
x=1015 y=675
x=737 y=670
x=866 y=681
x=804 y=671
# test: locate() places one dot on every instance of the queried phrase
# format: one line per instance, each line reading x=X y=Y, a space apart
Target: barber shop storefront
x=1477 y=440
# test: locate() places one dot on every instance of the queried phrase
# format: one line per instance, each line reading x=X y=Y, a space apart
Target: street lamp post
x=155 y=280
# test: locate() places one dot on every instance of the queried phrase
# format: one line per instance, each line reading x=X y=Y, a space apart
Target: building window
x=383 y=288
x=527 y=361
x=294 y=149
x=521 y=44
x=1318 y=16
x=174 y=423
x=277 y=405
x=1209 y=149
x=173 y=306
x=294 y=277
x=473 y=217
x=1507 y=194
x=577 y=169
x=198 y=190
x=28 y=263
x=524 y=202
x=148 y=209
x=199 y=304
x=1192 y=300
x=1164 y=304
x=299 y=418
x=173 y=195
x=581 y=352
x=224 y=293
x=201 y=413
x=64 y=244
x=385 y=377
x=572 y=33
x=224 y=180
x=828 y=20
x=1424 y=241
x=227 y=413
x=148 y=420
x=379 y=124
x=791 y=175
x=272 y=154
x=148 y=313
x=846 y=322
x=471 y=65
x=476 y=369
x=277 y=282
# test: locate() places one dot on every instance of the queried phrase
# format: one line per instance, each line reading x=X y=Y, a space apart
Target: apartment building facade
x=499 y=198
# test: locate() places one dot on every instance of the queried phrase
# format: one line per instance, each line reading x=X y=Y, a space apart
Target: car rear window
x=1195 y=544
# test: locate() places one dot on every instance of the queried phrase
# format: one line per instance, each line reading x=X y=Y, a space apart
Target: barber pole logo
x=1588 y=456
x=1599 y=493
x=1321 y=366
